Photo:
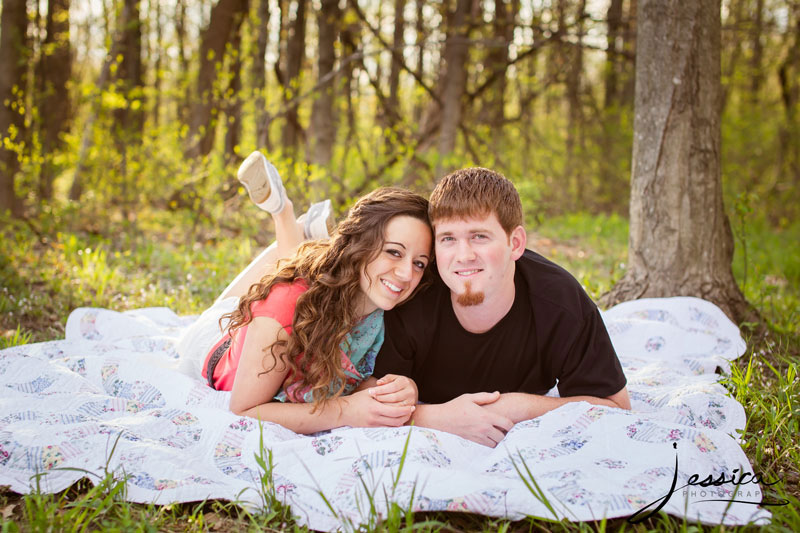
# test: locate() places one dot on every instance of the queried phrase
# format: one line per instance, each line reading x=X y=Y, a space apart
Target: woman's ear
x=518 y=240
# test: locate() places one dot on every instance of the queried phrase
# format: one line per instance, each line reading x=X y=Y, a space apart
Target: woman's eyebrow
x=397 y=243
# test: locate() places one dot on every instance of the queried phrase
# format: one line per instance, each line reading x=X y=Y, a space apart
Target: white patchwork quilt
x=112 y=385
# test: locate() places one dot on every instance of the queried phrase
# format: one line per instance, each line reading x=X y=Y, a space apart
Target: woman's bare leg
x=288 y=236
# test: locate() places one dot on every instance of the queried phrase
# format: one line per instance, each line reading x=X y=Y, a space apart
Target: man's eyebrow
x=397 y=244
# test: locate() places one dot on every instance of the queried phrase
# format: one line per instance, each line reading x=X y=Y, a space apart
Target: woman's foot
x=318 y=221
x=263 y=183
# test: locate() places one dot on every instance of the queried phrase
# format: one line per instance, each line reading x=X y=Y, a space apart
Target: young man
x=500 y=325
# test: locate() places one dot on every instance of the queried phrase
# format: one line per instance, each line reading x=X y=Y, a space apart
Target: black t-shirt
x=552 y=333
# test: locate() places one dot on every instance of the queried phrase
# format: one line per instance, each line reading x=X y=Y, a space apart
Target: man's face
x=475 y=257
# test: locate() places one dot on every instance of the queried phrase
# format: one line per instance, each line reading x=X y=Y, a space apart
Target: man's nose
x=464 y=251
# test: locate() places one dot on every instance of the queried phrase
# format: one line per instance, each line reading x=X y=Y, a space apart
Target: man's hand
x=466 y=417
x=394 y=389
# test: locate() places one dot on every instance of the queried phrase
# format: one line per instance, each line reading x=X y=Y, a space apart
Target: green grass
x=51 y=265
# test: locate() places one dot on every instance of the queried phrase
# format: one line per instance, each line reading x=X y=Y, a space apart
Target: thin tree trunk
x=614 y=21
x=295 y=54
x=789 y=134
x=233 y=96
x=183 y=62
x=422 y=35
x=756 y=74
x=323 y=118
x=258 y=72
x=205 y=106
x=629 y=48
x=130 y=74
x=454 y=78
x=573 y=180
x=13 y=67
x=496 y=64
x=158 y=63
x=392 y=110
x=55 y=108
x=681 y=242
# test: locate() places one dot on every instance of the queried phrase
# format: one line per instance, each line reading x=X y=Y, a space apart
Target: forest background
x=123 y=123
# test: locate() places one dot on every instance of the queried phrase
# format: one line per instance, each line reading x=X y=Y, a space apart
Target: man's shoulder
x=551 y=288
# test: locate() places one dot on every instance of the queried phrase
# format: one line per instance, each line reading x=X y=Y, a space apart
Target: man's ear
x=518 y=240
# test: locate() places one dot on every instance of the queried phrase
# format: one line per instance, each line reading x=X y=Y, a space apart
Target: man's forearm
x=520 y=406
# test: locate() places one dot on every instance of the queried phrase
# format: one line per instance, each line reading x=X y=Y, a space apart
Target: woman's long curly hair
x=329 y=309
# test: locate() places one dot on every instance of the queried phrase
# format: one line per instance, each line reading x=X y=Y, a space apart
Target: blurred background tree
x=123 y=107
x=133 y=105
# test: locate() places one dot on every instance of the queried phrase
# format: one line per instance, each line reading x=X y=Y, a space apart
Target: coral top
x=358 y=350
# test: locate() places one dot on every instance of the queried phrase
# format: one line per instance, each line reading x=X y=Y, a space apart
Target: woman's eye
x=393 y=252
x=420 y=265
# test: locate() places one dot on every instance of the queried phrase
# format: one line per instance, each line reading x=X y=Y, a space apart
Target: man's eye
x=480 y=236
x=446 y=239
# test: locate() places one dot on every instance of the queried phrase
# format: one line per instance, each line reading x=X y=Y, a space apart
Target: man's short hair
x=476 y=192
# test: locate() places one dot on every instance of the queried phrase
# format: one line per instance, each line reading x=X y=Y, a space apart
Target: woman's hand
x=360 y=409
x=395 y=390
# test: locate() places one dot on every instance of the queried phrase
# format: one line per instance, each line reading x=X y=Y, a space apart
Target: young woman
x=300 y=338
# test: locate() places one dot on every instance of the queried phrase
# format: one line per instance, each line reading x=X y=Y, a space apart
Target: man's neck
x=484 y=316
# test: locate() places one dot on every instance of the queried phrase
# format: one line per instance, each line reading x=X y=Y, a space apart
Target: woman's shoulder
x=281 y=301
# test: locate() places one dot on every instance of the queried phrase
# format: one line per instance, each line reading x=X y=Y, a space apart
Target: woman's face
x=390 y=278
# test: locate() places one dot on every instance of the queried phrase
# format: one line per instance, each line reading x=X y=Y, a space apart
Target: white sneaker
x=263 y=183
x=318 y=222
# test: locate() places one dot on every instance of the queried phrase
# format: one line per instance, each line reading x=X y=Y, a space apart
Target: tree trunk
x=680 y=238
x=614 y=21
x=422 y=35
x=130 y=74
x=54 y=110
x=13 y=65
x=756 y=75
x=258 y=72
x=323 y=119
x=205 y=106
x=629 y=48
x=183 y=62
x=789 y=132
x=159 y=35
x=573 y=181
x=295 y=54
x=496 y=64
x=233 y=96
x=453 y=80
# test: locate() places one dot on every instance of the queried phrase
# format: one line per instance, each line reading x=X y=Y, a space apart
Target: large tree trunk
x=205 y=106
x=55 y=110
x=680 y=238
x=13 y=59
x=323 y=119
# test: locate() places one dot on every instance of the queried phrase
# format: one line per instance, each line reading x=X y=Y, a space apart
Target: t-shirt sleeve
x=280 y=303
x=397 y=352
x=591 y=366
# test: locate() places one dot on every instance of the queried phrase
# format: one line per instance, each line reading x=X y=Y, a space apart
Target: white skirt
x=198 y=339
